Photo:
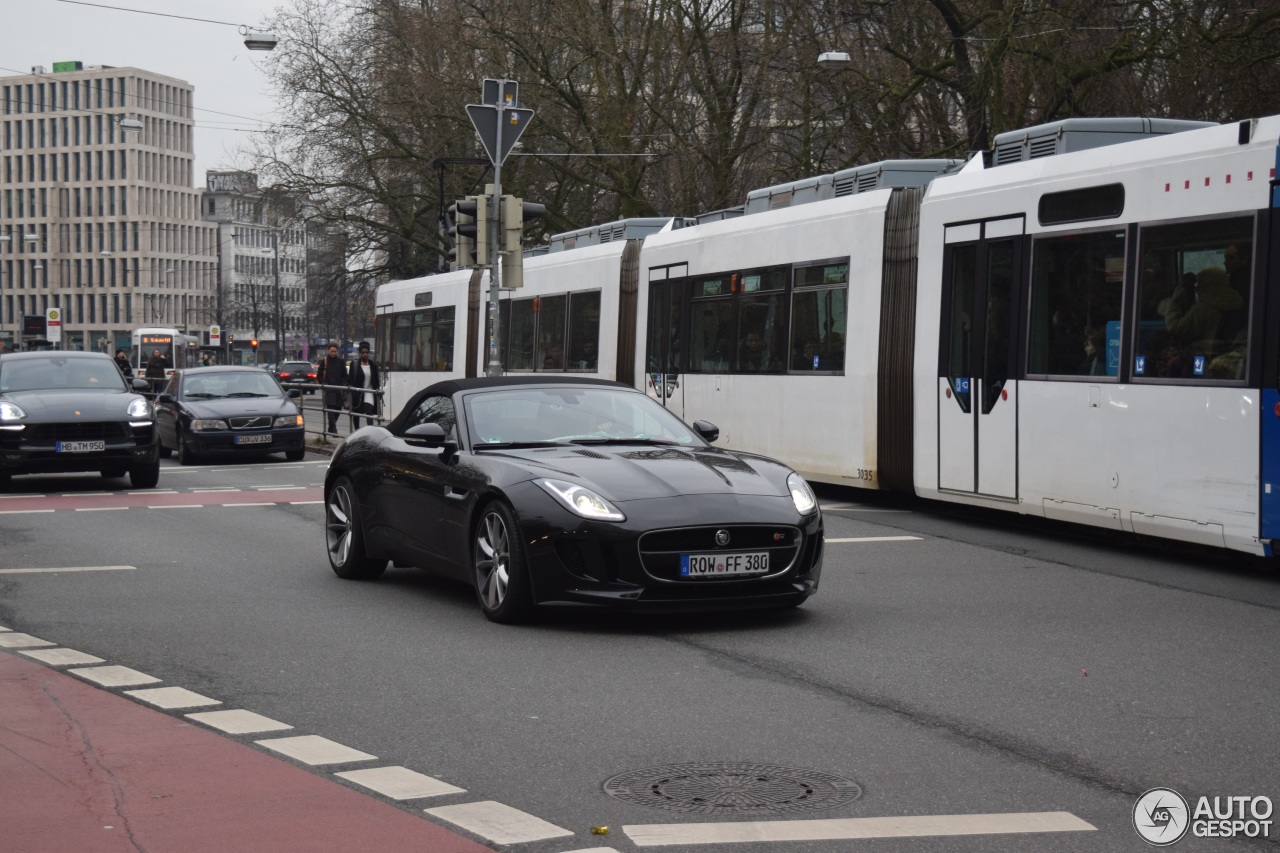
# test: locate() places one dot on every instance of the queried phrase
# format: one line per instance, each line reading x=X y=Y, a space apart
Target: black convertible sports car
x=546 y=491
x=71 y=412
x=228 y=411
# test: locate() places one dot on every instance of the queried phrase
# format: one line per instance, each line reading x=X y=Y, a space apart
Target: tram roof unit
x=1081 y=134
x=635 y=228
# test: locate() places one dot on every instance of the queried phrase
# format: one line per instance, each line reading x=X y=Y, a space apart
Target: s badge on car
x=722 y=537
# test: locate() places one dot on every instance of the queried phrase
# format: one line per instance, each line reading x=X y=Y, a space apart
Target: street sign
x=500 y=93
x=53 y=325
x=215 y=336
x=485 y=118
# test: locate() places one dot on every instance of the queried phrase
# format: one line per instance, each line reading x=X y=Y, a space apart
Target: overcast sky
x=211 y=57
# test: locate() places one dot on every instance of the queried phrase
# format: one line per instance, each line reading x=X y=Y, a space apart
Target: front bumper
x=579 y=563
x=225 y=441
x=34 y=448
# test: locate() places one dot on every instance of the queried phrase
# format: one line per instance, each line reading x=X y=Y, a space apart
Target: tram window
x=711 y=335
x=402 y=343
x=1193 y=300
x=762 y=333
x=819 y=318
x=551 y=318
x=1106 y=202
x=421 y=341
x=523 y=319
x=584 y=330
x=444 y=340
x=1077 y=291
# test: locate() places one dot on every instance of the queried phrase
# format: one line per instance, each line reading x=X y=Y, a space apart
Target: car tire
x=295 y=455
x=186 y=456
x=501 y=570
x=145 y=476
x=344 y=538
x=6 y=480
x=165 y=452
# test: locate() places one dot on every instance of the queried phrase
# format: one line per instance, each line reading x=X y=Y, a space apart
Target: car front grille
x=79 y=431
x=254 y=422
x=660 y=550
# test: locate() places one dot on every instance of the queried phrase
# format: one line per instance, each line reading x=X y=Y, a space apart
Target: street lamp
x=258 y=40
x=834 y=59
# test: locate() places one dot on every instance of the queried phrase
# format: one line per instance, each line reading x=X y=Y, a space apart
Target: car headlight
x=582 y=501
x=139 y=409
x=11 y=412
x=207 y=424
x=801 y=495
x=289 y=421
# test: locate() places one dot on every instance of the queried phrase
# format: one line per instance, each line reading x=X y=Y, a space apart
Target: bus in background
x=179 y=349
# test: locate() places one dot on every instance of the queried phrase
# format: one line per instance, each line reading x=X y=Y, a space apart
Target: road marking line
x=177 y=506
x=278 y=488
x=87 y=494
x=498 y=823
x=594 y=850
x=874 y=539
x=3 y=628
x=313 y=750
x=854 y=509
x=219 y=489
x=16 y=497
x=247 y=504
x=400 y=783
x=68 y=569
x=99 y=508
x=304 y=503
x=61 y=657
x=114 y=676
x=172 y=697
x=153 y=492
x=23 y=511
x=16 y=640
x=906 y=826
x=238 y=722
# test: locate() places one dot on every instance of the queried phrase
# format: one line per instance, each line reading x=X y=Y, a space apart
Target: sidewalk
x=85 y=770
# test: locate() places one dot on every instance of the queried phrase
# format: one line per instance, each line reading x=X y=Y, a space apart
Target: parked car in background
x=72 y=412
x=544 y=491
x=298 y=374
x=228 y=411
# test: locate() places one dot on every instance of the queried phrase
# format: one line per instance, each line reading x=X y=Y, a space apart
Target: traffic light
x=231 y=338
x=515 y=213
x=254 y=344
x=470 y=217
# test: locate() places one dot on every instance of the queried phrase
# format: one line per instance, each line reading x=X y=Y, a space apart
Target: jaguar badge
x=722 y=538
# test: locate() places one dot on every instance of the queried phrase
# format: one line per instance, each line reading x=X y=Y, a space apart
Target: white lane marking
x=21 y=497
x=23 y=511
x=61 y=657
x=269 y=503
x=153 y=492
x=313 y=750
x=2 y=628
x=238 y=722
x=854 y=509
x=498 y=823
x=16 y=640
x=68 y=569
x=177 y=506
x=87 y=494
x=114 y=676
x=400 y=783
x=594 y=850
x=906 y=826
x=172 y=697
x=100 y=508
x=218 y=489
x=874 y=539
x=304 y=503
x=278 y=488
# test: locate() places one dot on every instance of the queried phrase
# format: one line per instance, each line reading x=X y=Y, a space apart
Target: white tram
x=1075 y=325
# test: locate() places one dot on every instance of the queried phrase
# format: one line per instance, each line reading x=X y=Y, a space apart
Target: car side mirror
x=293 y=392
x=706 y=429
x=165 y=398
x=429 y=435
x=141 y=385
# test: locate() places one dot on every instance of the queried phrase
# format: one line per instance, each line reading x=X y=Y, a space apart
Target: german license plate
x=723 y=565
x=81 y=446
x=253 y=439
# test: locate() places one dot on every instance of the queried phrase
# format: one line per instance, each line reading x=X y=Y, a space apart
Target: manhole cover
x=732 y=788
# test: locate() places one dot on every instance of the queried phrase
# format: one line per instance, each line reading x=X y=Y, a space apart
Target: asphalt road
x=984 y=665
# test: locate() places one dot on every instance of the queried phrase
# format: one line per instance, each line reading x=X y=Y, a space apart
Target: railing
x=316 y=417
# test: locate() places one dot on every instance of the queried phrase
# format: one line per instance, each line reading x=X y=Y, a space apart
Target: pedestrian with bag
x=332 y=373
x=363 y=376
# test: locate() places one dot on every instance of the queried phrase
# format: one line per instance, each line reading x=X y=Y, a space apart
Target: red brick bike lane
x=85 y=770
x=11 y=504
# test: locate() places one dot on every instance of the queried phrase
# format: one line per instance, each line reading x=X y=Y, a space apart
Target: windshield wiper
x=508 y=445
x=247 y=394
x=636 y=440
x=202 y=394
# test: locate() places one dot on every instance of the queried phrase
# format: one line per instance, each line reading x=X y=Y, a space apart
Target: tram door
x=977 y=395
x=665 y=337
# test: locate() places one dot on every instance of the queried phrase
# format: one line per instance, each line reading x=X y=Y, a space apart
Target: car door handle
x=454 y=494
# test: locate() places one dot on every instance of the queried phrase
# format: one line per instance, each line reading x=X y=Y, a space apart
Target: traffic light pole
x=495 y=276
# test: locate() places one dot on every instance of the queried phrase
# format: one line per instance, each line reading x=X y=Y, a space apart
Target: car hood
x=45 y=405
x=234 y=407
x=627 y=472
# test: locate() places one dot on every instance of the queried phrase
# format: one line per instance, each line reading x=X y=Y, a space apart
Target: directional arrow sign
x=485 y=117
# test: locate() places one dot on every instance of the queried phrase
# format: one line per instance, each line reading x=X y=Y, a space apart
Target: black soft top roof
x=453 y=386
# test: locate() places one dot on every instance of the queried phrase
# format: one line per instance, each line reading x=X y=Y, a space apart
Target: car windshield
x=208 y=386
x=544 y=414
x=57 y=373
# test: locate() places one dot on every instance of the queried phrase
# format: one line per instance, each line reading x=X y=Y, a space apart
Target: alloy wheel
x=493 y=560
x=338 y=526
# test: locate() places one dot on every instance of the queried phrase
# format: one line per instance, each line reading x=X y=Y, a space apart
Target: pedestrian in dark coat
x=332 y=373
x=363 y=376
